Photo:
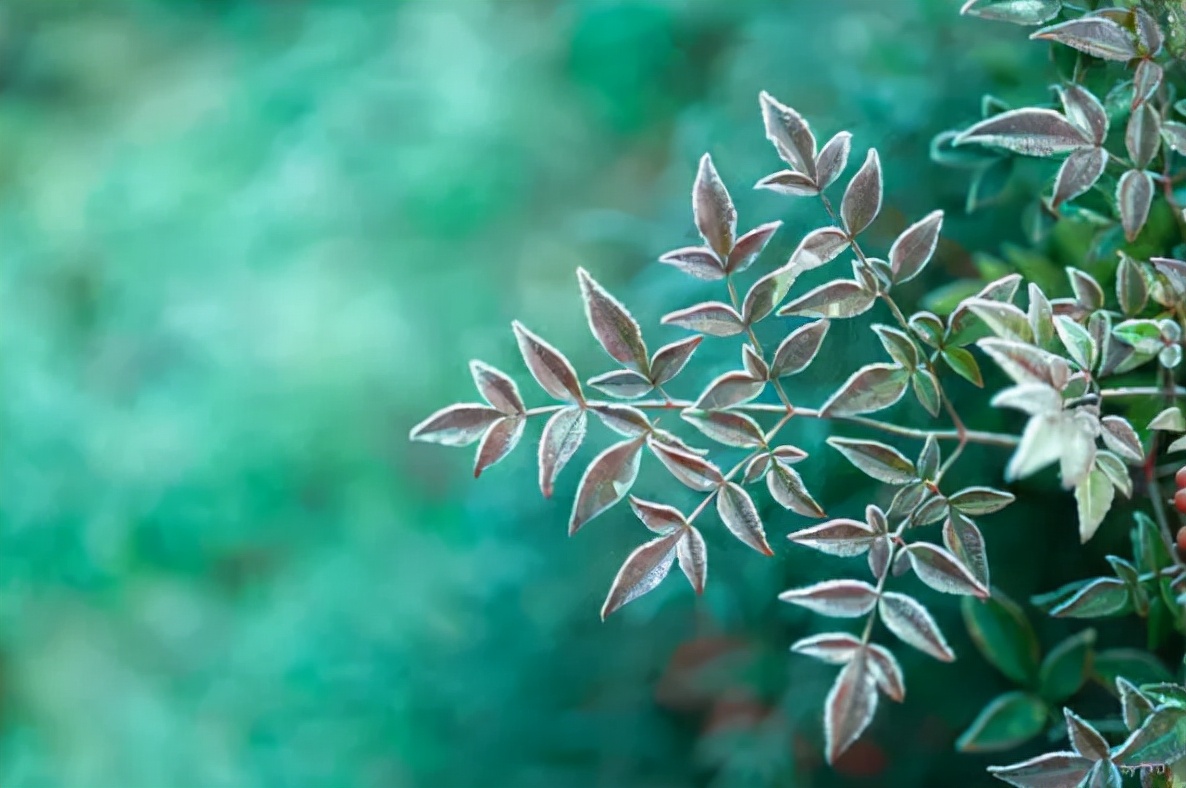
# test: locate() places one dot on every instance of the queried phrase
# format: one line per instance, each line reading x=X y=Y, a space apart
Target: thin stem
x=770 y=435
x=753 y=338
x=1144 y=391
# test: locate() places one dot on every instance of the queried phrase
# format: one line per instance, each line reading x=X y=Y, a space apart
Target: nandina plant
x=1077 y=357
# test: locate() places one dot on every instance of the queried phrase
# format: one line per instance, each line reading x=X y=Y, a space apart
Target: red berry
x=1180 y=477
x=1180 y=501
x=1182 y=540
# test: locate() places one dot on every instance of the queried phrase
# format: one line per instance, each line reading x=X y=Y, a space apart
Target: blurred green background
x=247 y=245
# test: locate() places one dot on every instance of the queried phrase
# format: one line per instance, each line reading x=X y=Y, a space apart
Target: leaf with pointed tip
x=1077 y=342
x=835 y=598
x=790 y=134
x=1114 y=468
x=606 y=481
x=1041 y=316
x=789 y=183
x=731 y=429
x=641 y=572
x=1142 y=136
x=697 y=261
x=670 y=360
x=914 y=247
x=887 y=673
x=942 y=571
x=1085 y=739
x=622 y=383
x=862 y=198
x=963 y=538
x=1145 y=82
x=496 y=388
x=871 y=388
x=926 y=390
x=910 y=621
x=1006 y=722
x=695 y=472
x=850 y=706
x=658 y=517
x=1094 y=496
x=1160 y=740
x=1088 y=291
x=548 y=366
x=1004 y=320
x=1003 y=635
x=842 y=537
x=1134 y=195
x=738 y=513
x=1084 y=111
x=710 y=317
x=1030 y=132
x=964 y=364
x=729 y=389
x=1097 y=598
x=899 y=345
x=798 y=349
x=1136 y=705
x=1120 y=437
x=839 y=298
x=1019 y=12
x=613 y=325
x=754 y=364
x=1067 y=667
x=787 y=488
x=819 y=247
x=767 y=293
x=835 y=648
x=1169 y=420
x=1025 y=363
x=561 y=438
x=749 y=246
x=692 y=554
x=980 y=500
x=832 y=159
x=1051 y=770
x=1078 y=173
x=622 y=419
x=712 y=207
x=1094 y=35
x=499 y=441
x=668 y=439
x=881 y=462
x=456 y=425
x=1173 y=134
x=1149 y=33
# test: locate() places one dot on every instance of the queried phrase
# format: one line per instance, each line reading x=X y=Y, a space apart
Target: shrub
x=1076 y=365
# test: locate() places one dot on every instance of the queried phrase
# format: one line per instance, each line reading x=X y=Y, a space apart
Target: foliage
x=1073 y=365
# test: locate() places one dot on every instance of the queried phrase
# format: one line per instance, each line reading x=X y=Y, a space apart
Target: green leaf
x=1004 y=636
x=1099 y=597
x=1159 y=741
x=1136 y=665
x=1094 y=496
x=1007 y=721
x=964 y=364
x=871 y=388
x=1066 y=667
x=1149 y=548
x=1019 y=12
x=926 y=389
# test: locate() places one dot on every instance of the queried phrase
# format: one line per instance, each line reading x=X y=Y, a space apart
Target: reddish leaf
x=729 y=389
x=798 y=349
x=871 y=388
x=914 y=247
x=1085 y=111
x=1086 y=740
x=738 y=513
x=642 y=571
x=716 y=218
x=1145 y=81
x=790 y=134
x=841 y=537
x=850 y=706
x=622 y=419
x=1052 y=770
x=838 y=298
x=1030 y=131
x=966 y=543
x=832 y=647
x=881 y=462
x=1120 y=437
x=711 y=317
x=658 y=517
x=622 y=383
x=836 y=598
x=697 y=261
x=669 y=360
x=1142 y=136
x=1095 y=35
x=790 y=183
x=499 y=441
x=496 y=388
x=731 y=429
x=1078 y=173
x=693 y=559
x=862 y=198
x=749 y=246
x=696 y=472
x=1026 y=363
x=548 y=366
x=832 y=159
x=887 y=672
x=456 y=425
x=612 y=324
x=819 y=247
x=606 y=481
x=911 y=622
x=1134 y=195
x=787 y=488
x=561 y=438
x=942 y=571
x=980 y=500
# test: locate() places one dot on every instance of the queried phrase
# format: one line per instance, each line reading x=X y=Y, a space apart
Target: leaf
x=1084 y=111
x=1094 y=35
x=1145 y=81
x=881 y=462
x=798 y=349
x=605 y=482
x=695 y=472
x=1041 y=315
x=1169 y=420
x=456 y=425
x=966 y=543
x=1078 y=343
x=1148 y=32
x=548 y=366
x=835 y=648
x=964 y=364
x=1173 y=134
x=942 y=571
x=1051 y=770
x=1099 y=598
x=862 y=198
x=754 y=364
x=899 y=345
x=849 y=707
x=1066 y=667
x=1134 y=195
x=1085 y=739
x=622 y=419
x=697 y=261
x=641 y=572
x=1160 y=740
x=1120 y=437
x=1078 y=173
x=496 y=388
x=790 y=134
x=738 y=513
x=710 y=317
x=1142 y=135
x=832 y=159
x=980 y=500
x=1003 y=635
x=914 y=247
x=1007 y=721
x=729 y=389
x=731 y=429
x=838 y=298
x=841 y=537
x=658 y=517
x=786 y=487
x=670 y=360
x=716 y=218
x=910 y=621
x=622 y=383
x=1025 y=363
x=499 y=441
x=1130 y=663
x=612 y=324
x=871 y=388
x=1135 y=703
x=749 y=246
x=1019 y=12
x=835 y=598
x=1094 y=497
x=767 y=293
x=561 y=438
x=926 y=390
x=692 y=554
x=1005 y=320
x=790 y=183
x=819 y=247
x=1030 y=132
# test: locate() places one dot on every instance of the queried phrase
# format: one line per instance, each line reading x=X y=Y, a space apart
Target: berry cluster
x=1180 y=505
